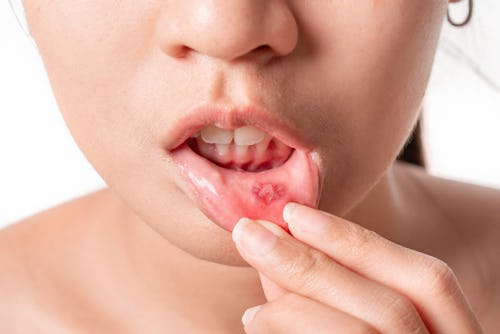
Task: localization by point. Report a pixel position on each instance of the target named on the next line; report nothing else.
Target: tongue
(226, 195)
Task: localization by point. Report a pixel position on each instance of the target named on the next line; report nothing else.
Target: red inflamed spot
(268, 192)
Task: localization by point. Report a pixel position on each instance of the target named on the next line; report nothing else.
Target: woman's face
(346, 77)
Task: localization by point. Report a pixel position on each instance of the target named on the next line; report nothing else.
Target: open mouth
(245, 149)
(245, 171)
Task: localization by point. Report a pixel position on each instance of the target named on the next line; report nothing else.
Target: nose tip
(229, 30)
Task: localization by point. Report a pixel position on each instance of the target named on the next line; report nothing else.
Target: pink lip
(228, 117)
(225, 195)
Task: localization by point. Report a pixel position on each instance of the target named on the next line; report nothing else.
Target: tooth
(204, 148)
(248, 135)
(222, 149)
(214, 135)
(241, 150)
(260, 148)
(195, 135)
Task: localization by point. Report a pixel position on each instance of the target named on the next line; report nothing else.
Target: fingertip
(289, 210)
(249, 315)
(302, 218)
(238, 228)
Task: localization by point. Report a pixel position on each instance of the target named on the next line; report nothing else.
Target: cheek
(382, 70)
(94, 58)
(378, 62)
(367, 70)
(394, 60)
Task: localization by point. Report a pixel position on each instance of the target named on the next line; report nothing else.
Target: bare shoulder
(460, 201)
(30, 251)
(49, 228)
(474, 211)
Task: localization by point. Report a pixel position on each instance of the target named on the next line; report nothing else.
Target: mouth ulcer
(246, 172)
(243, 149)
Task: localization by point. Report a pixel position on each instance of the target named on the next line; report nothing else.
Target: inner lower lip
(225, 195)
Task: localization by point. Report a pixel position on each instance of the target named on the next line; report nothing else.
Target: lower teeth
(252, 161)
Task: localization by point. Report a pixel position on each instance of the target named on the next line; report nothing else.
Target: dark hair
(413, 151)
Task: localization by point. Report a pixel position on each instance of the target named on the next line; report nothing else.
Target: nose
(228, 29)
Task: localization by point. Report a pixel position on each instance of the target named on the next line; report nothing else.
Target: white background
(41, 166)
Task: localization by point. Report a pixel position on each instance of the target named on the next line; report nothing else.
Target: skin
(140, 255)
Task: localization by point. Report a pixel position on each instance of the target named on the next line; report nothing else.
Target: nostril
(177, 51)
(262, 53)
(262, 48)
(228, 30)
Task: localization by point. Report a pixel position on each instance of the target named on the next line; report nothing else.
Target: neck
(400, 209)
(383, 209)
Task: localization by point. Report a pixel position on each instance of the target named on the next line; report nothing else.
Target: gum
(251, 161)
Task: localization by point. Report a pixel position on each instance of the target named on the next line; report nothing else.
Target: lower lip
(226, 195)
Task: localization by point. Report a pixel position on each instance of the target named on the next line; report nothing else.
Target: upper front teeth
(247, 135)
(214, 135)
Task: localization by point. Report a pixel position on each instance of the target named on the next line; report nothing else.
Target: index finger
(304, 270)
(429, 282)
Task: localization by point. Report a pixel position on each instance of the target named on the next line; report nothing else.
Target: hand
(334, 276)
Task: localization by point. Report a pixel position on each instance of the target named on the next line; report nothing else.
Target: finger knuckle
(440, 279)
(399, 312)
(360, 240)
(305, 270)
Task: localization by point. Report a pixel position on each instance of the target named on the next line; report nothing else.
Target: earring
(467, 19)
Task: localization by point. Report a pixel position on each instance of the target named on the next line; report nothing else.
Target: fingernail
(253, 237)
(249, 315)
(288, 211)
(305, 218)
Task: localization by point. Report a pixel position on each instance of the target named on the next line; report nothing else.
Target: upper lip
(231, 117)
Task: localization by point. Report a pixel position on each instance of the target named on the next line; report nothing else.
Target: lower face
(348, 88)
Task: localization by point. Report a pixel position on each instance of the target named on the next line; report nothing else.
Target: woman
(205, 116)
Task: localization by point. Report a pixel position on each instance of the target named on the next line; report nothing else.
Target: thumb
(272, 290)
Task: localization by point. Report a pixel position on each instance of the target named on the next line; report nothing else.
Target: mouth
(242, 163)
(245, 149)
